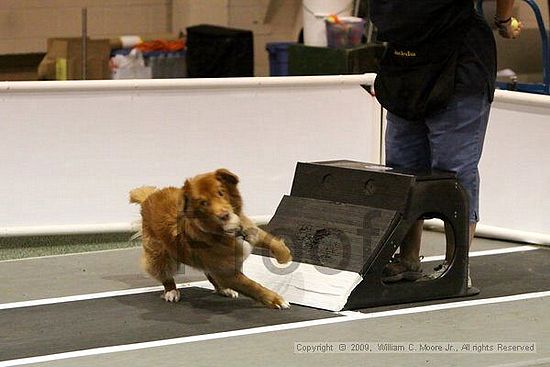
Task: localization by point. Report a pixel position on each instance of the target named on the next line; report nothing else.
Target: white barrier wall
(71, 151)
(515, 167)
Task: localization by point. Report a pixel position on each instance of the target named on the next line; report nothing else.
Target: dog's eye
(220, 193)
(204, 203)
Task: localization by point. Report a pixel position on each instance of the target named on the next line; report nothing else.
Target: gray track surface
(49, 329)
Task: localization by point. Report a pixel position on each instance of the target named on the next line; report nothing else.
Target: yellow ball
(514, 24)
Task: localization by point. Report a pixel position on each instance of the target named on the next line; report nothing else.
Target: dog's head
(213, 202)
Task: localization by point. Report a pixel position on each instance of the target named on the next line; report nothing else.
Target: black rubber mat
(64, 327)
(497, 276)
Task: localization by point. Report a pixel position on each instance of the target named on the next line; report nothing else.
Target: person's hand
(508, 28)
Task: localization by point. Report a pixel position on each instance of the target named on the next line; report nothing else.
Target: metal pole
(84, 47)
(170, 16)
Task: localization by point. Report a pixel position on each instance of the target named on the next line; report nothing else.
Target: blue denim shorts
(451, 140)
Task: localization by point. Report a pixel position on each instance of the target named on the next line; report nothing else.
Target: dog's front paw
(277, 302)
(251, 235)
(228, 292)
(171, 296)
(281, 252)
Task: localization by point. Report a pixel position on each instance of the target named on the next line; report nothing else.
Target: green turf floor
(36, 246)
(22, 247)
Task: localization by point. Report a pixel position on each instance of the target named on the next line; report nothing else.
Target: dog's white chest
(246, 247)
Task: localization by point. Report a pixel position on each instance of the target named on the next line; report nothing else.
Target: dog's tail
(139, 195)
(136, 227)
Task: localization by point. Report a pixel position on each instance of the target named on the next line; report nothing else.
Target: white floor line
(498, 251)
(206, 284)
(86, 297)
(446, 306)
(347, 316)
(428, 258)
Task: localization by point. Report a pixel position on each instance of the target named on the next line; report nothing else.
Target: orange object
(161, 45)
(334, 19)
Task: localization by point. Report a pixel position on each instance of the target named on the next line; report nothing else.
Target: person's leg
(410, 248)
(407, 144)
(449, 250)
(407, 147)
(456, 138)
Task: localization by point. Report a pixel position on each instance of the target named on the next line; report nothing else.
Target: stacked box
(214, 52)
(63, 61)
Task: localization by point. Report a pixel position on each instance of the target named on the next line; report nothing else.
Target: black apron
(417, 73)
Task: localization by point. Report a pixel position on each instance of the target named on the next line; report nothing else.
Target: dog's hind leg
(161, 266)
(226, 292)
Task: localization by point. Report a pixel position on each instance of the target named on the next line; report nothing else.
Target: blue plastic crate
(278, 57)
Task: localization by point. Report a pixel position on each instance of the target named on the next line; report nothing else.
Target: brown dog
(202, 225)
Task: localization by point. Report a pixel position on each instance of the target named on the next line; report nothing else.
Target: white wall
(515, 167)
(71, 151)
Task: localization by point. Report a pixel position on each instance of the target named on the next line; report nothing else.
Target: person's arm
(504, 9)
(508, 26)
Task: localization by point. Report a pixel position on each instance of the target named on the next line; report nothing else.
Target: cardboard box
(64, 55)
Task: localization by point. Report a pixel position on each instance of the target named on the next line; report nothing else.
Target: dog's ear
(230, 180)
(186, 189)
(225, 176)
